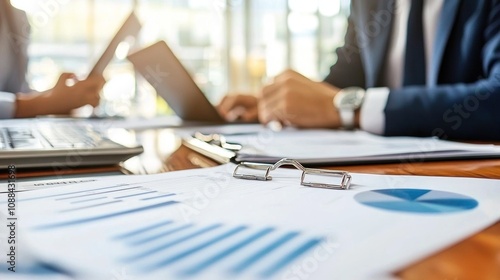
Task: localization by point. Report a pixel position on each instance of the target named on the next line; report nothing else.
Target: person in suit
(16, 99)
(408, 67)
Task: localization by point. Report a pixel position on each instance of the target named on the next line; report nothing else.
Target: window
(227, 45)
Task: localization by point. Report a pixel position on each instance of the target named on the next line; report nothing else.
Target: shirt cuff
(7, 105)
(372, 117)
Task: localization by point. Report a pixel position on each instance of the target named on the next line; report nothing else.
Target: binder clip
(345, 177)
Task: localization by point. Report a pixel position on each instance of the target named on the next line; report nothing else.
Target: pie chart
(416, 201)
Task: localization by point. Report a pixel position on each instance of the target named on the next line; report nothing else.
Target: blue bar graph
(69, 193)
(159, 196)
(273, 269)
(97, 193)
(87, 200)
(160, 235)
(263, 252)
(106, 216)
(135, 194)
(225, 253)
(171, 243)
(142, 230)
(267, 250)
(184, 249)
(90, 206)
(197, 248)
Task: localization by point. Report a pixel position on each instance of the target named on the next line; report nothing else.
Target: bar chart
(158, 246)
(169, 246)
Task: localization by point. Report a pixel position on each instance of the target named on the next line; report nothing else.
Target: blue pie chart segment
(416, 201)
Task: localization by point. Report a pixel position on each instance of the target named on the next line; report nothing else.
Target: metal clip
(345, 182)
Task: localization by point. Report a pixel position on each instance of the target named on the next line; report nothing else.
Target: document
(205, 224)
(326, 146)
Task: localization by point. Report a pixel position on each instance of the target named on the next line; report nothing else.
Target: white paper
(138, 123)
(233, 130)
(135, 123)
(210, 225)
(172, 121)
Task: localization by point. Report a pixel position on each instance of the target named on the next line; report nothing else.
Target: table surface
(477, 257)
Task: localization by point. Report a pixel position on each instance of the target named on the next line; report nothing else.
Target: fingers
(229, 102)
(287, 75)
(94, 82)
(279, 98)
(86, 92)
(271, 109)
(238, 107)
(96, 79)
(93, 98)
(247, 115)
(270, 90)
(288, 99)
(286, 81)
(226, 104)
(90, 89)
(66, 79)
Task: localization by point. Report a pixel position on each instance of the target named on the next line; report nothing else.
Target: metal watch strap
(347, 118)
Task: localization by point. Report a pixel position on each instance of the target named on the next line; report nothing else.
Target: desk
(477, 257)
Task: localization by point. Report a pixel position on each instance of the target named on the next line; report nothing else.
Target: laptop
(161, 68)
(54, 143)
(64, 143)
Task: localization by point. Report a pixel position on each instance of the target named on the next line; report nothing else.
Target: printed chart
(416, 201)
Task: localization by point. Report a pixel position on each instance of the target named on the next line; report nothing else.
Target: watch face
(350, 99)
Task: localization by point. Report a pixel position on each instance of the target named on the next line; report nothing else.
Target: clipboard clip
(213, 146)
(345, 177)
(217, 140)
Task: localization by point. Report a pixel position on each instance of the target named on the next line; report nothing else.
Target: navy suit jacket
(462, 97)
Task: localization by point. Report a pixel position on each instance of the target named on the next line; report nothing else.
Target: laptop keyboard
(45, 136)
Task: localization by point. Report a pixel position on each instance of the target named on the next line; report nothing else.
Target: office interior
(238, 46)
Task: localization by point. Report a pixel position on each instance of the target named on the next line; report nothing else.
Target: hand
(66, 95)
(239, 107)
(296, 100)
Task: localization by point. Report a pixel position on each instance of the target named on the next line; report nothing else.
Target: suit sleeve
(458, 111)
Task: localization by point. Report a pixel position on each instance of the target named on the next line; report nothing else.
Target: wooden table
(477, 257)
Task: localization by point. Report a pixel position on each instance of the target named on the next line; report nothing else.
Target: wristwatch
(347, 101)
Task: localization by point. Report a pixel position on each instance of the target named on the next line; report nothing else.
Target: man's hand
(66, 95)
(242, 107)
(296, 100)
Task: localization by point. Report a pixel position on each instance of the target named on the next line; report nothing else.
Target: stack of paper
(324, 146)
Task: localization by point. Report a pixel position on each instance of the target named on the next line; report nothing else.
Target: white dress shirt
(372, 116)
(7, 105)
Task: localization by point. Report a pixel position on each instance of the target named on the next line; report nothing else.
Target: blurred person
(16, 99)
(407, 67)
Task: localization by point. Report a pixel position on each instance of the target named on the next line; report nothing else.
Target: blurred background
(226, 45)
